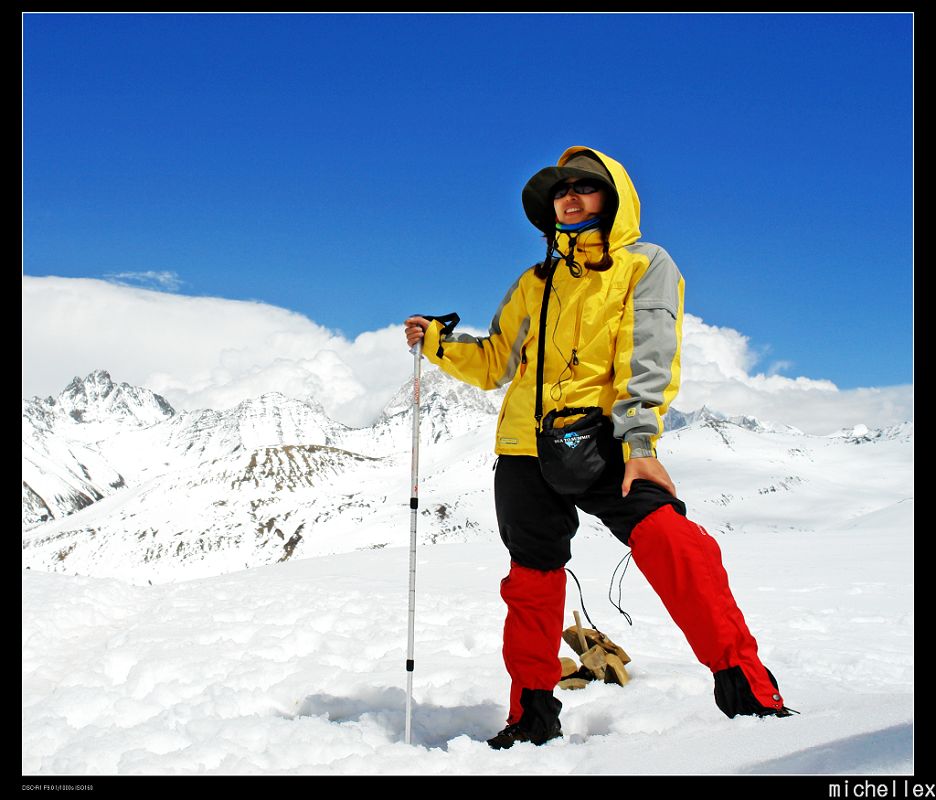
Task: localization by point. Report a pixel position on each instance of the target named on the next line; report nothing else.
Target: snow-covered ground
(298, 668)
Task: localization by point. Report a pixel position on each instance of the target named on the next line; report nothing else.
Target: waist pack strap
(540, 345)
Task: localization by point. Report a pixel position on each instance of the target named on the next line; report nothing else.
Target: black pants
(537, 524)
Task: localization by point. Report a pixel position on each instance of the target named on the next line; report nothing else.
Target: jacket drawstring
(575, 269)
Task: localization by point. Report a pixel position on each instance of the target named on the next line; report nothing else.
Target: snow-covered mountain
(63, 468)
(98, 399)
(210, 490)
(116, 483)
(677, 419)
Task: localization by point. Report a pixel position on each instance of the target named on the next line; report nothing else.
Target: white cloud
(205, 352)
(717, 364)
(157, 279)
(779, 366)
(202, 352)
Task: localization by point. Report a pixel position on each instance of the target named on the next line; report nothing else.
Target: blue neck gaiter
(578, 226)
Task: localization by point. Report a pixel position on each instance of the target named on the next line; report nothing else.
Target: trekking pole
(414, 505)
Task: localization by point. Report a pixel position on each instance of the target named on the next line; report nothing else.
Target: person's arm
(647, 365)
(487, 362)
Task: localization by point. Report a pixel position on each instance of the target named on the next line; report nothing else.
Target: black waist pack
(572, 458)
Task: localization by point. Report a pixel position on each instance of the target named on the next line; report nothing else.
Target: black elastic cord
(617, 605)
(556, 391)
(582, 600)
(575, 269)
(626, 562)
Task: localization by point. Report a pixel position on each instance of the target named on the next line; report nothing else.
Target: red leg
(683, 565)
(532, 631)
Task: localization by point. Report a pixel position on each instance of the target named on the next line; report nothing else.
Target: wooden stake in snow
(578, 630)
(601, 658)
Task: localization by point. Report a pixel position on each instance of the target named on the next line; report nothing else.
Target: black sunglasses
(584, 186)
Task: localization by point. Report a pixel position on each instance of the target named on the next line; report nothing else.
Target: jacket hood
(538, 204)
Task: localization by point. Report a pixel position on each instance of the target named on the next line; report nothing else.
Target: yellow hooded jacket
(613, 336)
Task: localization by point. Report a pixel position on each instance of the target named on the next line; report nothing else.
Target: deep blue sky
(358, 168)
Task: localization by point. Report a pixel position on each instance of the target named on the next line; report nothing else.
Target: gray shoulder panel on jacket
(659, 286)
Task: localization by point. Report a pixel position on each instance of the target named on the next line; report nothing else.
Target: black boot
(733, 696)
(538, 724)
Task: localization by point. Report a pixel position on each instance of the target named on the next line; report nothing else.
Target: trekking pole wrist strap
(449, 321)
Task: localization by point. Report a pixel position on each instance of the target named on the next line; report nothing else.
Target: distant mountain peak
(98, 377)
(435, 386)
(709, 416)
(861, 434)
(96, 398)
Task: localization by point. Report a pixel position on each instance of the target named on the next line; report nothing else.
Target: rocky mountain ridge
(116, 482)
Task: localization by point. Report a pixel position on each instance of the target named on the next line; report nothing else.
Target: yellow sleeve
(487, 362)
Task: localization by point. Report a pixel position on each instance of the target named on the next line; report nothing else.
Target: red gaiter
(532, 631)
(683, 565)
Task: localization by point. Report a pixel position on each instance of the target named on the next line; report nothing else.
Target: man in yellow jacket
(610, 340)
